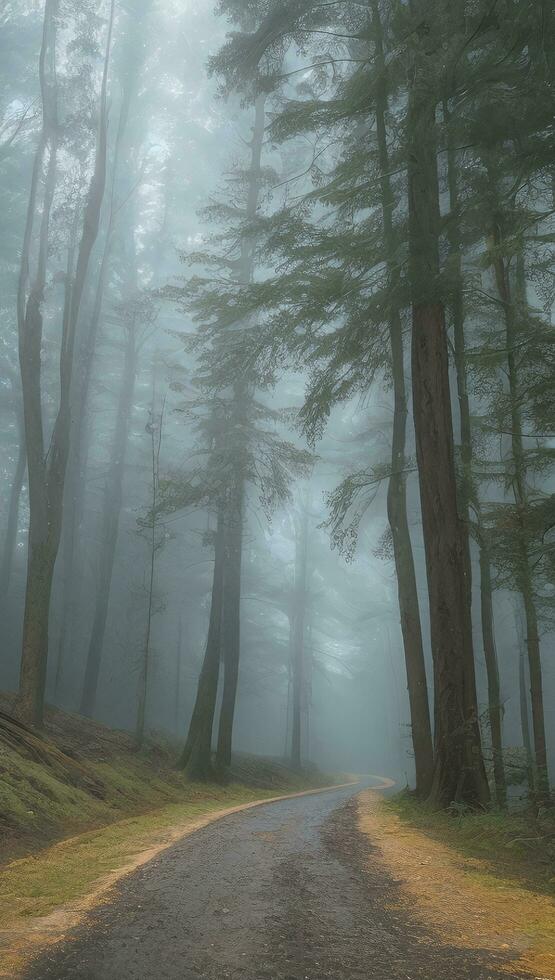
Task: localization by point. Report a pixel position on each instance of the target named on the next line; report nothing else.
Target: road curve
(279, 892)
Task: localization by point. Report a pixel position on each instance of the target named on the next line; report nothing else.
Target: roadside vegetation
(519, 842)
(474, 880)
(81, 776)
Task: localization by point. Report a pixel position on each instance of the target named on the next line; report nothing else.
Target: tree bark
(156, 430)
(459, 772)
(12, 525)
(465, 488)
(411, 627)
(495, 707)
(41, 554)
(178, 666)
(231, 619)
(196, 757)
(298, 630)
(524, 576)
(523, 703)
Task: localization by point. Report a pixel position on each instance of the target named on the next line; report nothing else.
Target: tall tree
(309, 299)
(397, 491)
(239, 467)
(47, 467)
(469, 493)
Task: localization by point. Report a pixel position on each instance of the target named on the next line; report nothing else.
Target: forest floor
(303, 888)
(479, 881)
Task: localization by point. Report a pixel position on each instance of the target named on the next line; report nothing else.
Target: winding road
(279, 892)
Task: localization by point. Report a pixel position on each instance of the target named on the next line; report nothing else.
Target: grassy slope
(66, 836)
(41, 804)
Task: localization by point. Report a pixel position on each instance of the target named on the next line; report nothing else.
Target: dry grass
(465, 900)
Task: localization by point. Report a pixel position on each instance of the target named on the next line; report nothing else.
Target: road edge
(20, 946)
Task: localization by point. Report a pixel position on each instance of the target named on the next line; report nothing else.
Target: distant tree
(298, 630)
(241, 443)
(150, 525)
(134, 316)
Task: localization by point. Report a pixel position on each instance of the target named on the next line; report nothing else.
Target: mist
(216, 517)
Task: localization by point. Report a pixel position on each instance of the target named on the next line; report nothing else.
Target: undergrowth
(520, 843)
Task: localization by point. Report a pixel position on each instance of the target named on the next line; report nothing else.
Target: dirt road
(275, 893)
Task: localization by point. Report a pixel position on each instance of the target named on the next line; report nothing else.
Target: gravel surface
(280, 892)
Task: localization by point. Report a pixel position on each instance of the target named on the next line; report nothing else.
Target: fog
(216, 395)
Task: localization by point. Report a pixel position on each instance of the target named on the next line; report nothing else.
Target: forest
(277, 483)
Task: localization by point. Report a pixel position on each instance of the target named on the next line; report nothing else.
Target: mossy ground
(518, 843)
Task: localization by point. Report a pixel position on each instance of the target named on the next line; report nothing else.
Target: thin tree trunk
(156, 445)
(178, 658)
(234, 517)
(231, 620)
(411, 627)
(523, 688)
(196, 757)
(74, 494)
(41, 554)
(459, 772)
(465, 488)
(75, 483)
(524, 573)
(12, 525)
(495, 708)
(111, 511)
(298, 630)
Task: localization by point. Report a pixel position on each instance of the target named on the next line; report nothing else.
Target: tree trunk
(111, 510)
(47, 471)
(459, 772)
(234, 516)
(74, 496)
(396, 496)
(40, 573)
(523, 703)
(536, 688)
(495, 708)
(41, 553)
(196, 757)
(156, 430)
(231, 620)
(298, 630)
(465, 482)
(524, 576)
(178, 659)
(74, 493)
(12, 525)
